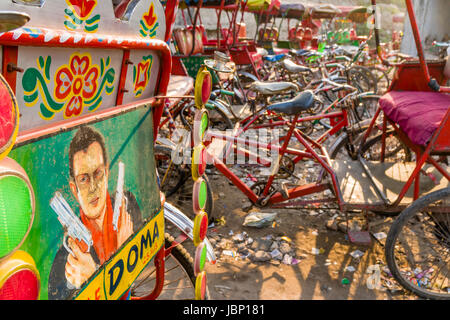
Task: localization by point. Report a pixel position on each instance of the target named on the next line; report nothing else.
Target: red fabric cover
(180, 38)
(418, 113)
(120, 9)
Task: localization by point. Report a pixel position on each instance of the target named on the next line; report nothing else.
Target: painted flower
(76, 83)
(141, 75)
(82, 8)
(150, 17)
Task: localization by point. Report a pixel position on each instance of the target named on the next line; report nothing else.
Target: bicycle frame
(338, 120)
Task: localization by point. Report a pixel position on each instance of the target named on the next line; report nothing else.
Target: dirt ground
(322, 255)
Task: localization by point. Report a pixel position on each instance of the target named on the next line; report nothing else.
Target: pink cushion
(417, 113)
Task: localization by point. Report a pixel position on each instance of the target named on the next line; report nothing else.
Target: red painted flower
(82, 8)
(150, 17)
(76, 83)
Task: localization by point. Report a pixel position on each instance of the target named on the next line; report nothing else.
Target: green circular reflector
(204, 124)
(202, 194)
(200, 258)
(16, 212)
(199, 195)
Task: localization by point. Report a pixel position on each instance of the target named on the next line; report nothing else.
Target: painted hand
(79, 268)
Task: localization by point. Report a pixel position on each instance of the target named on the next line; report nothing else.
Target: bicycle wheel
(171, 175)
(418, 247)
(366, 106)
(362, 77)
(339, 149)
(382, 79)
(218, 119)
(179, 277)
(395, 149)
(183, 198)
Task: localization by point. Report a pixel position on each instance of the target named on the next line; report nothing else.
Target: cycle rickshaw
(82, 92)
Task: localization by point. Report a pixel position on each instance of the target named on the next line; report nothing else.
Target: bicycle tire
(377, 139)
(367, 106)
(363, 78)
(164, 153)
(342, 139)
(224, 119)
(184, 261)
(381, 76)
(404, 219)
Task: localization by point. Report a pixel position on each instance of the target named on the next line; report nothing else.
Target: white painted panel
(64, 83)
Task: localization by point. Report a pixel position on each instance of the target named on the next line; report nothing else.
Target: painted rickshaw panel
(50, 72)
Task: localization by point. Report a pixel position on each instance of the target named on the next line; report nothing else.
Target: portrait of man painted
(89, 173)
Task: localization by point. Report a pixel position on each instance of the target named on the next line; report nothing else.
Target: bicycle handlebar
(339, 86)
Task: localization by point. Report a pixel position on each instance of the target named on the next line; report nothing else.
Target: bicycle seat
(272, 87)
(292, 67)
(301, 102)
(274, 57)
(299, 52)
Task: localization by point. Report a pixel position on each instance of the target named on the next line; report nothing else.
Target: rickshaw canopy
(359, 15)
(291, 11)
(326, 11)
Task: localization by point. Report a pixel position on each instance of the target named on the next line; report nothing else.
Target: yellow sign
(117, 275)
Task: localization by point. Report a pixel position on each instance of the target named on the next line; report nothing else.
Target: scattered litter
(357, 254)
(229, 253)
(240, 237)
(317, 251)
(222, 287)
(276, 254)
(315, 233)
(345, 281)
(380, 235)
(261, 256)
(259, 219)
(230, 233)
(221, 221)
(287, 239)
(285, 248)
(350, 269)
(287, 259)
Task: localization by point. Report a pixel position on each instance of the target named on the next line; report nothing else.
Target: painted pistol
(71, 223)
(119, 195)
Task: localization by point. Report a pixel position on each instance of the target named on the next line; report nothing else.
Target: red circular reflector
(198, 162)
(22, 285)
(9, 118)
(206, 88)
(200, 286)
(200, 227)
(202, 87)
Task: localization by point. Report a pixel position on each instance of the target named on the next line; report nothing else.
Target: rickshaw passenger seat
(296, 105)
(418, 113)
